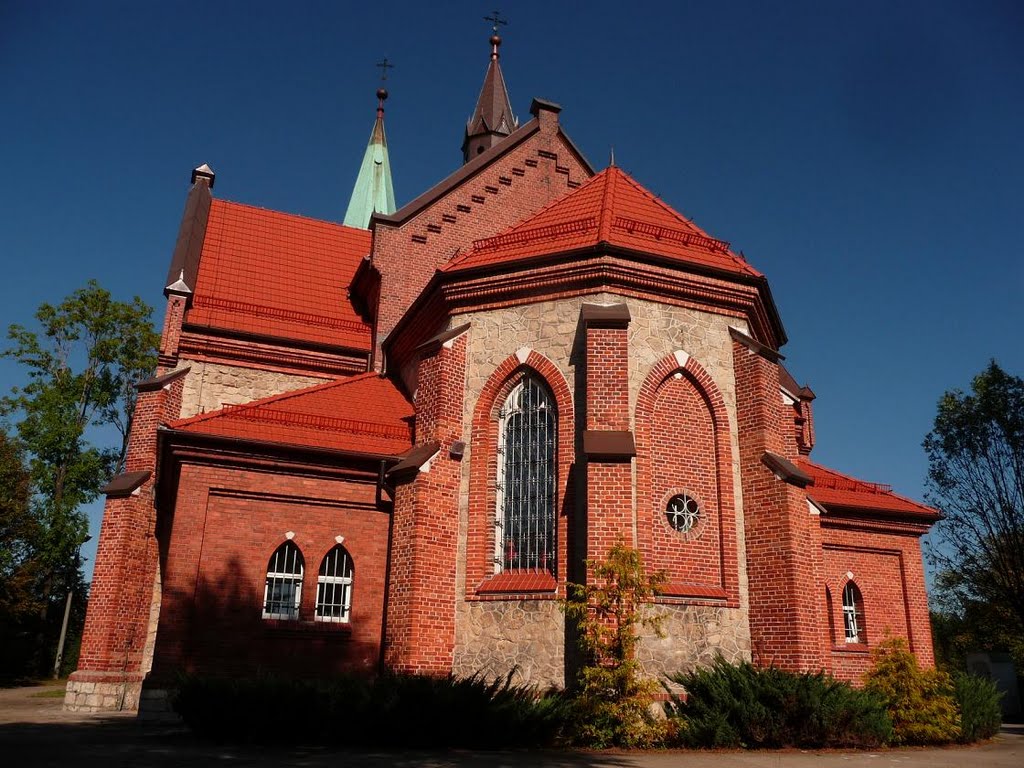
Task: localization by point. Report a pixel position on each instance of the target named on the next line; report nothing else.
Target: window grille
(525, 518)
(853, 616)
(683, 512)
(334, 586)
(283, 592)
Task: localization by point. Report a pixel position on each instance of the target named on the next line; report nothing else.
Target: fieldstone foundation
(102, 692)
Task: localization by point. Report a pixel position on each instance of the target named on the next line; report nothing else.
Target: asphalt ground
(35, 731)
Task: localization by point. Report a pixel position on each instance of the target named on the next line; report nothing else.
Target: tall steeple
(373, 192)
(492, 120)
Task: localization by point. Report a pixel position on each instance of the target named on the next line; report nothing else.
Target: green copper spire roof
(373, 192)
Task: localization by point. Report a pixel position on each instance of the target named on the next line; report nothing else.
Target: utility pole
(67, 613)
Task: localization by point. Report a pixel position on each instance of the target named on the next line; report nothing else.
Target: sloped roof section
(614, 209)
(834, 490)
(363, 414)
(279, 275)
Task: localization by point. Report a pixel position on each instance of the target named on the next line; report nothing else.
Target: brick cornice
(581, 273)
(178, 446)
(875, 522)
(270, 354)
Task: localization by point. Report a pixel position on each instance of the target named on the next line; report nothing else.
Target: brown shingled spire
(492, 119)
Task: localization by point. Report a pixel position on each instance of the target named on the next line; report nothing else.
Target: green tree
(976, 479)
(19, 571)
(612, 700)
(81, 363)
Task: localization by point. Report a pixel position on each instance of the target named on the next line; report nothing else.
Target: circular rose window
(683, 512)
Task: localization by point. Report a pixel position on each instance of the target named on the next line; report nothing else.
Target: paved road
(35, 732)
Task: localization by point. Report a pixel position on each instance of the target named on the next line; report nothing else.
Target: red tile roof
(277, 274)
(611, 208)
(834, 489)
(360, 414)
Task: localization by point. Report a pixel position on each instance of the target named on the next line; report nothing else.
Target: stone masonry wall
(210, 386)
(525, 635)
(551, 328)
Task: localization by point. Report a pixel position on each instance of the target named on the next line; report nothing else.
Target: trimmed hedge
(980, 713)
(739, 705)
(391, 710)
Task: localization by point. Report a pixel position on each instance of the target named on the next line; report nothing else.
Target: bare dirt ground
(36, 732)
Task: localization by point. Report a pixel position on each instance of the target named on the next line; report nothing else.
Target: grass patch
(50, 693)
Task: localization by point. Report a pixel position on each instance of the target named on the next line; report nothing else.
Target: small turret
(492, 119)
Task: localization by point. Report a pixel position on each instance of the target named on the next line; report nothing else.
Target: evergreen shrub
(921, 703)
(739, 705)
(980, 713)
(388, 711)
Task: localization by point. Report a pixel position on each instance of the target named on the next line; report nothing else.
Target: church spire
(492, 119)
(373, 192)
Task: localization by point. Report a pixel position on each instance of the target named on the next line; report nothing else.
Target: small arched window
(334, 586)
(830, 612)
(525, 515)
(283, 592)
(853, 614)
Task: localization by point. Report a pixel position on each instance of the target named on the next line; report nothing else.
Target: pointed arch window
(525, 515)
(283, 591)
(853, 614)
(334, 586)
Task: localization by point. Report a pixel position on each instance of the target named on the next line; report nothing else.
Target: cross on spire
(496, 21)
(384, 65)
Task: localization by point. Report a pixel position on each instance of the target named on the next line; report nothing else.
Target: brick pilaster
(111, 664)
(420, 624)
(783, 543)
(607, 441)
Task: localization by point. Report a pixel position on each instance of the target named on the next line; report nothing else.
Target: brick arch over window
(684, 447)
(484, 470)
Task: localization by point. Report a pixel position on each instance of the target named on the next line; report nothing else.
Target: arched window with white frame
(334, 586)
(282, 594)
(525, 515)
(853, 614)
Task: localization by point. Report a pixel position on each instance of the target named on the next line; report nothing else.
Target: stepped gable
(363, 414)
(610, 210)
(278, 275)
(836, 491)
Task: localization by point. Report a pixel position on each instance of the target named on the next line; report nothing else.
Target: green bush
(391, 710)
(978, 700)
(739, 705)
(920, 702)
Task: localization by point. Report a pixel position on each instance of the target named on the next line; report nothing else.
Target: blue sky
(866, 156)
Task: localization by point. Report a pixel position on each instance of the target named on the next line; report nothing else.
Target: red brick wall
(537, 172)
(483, 469)
(782, 553)
(888, 570)
(421, 601)
(683, 446)
(226, 524)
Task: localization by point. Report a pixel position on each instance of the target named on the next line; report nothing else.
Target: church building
(390, 443)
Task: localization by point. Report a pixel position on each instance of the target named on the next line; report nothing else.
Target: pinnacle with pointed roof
(373, 192)
(492, 119)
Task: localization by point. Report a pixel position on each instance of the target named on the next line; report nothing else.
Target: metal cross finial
(496, 21)
(384, 67)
